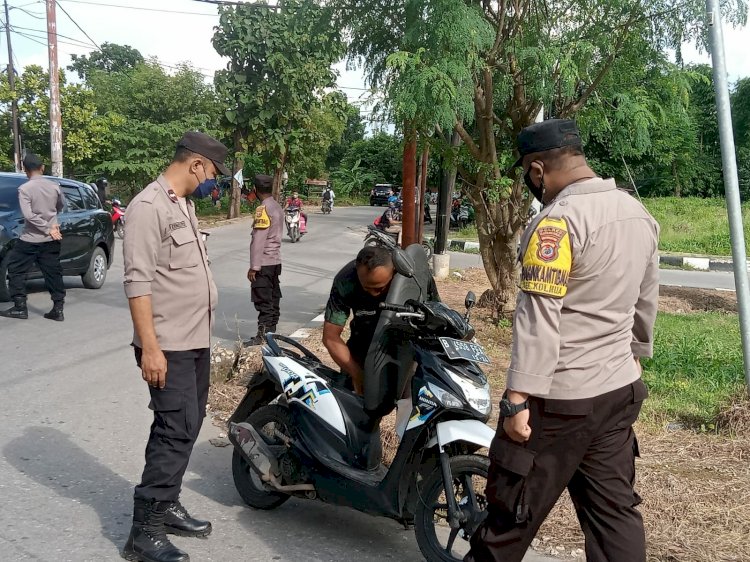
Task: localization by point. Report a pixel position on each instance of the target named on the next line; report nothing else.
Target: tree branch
(470, 144)
(573, 107)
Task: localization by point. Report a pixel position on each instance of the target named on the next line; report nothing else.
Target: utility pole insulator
(55, 117)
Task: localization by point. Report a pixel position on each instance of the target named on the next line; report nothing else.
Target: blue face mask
(205, 187)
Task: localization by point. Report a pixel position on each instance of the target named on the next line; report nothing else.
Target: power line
(28, 13)
(78, 26)
(44, 32)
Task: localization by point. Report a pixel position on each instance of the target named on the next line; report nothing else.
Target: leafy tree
(354, 130)
(279, 68)
(552, 55)
(86, 133)
(380, 155)
(110, 58)
(352, 181)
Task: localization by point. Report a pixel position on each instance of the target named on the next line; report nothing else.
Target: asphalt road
(74, 421)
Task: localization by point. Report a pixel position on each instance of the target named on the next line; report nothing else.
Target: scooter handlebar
(396, 307)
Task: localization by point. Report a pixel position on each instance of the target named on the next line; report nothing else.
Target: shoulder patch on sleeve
(262, 220)
(546, 265)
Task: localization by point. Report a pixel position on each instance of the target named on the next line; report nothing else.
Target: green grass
(696, 369)
(467, 233)
(694, 226)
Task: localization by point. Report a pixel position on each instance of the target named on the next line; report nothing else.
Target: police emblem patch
(548, 242)
(172, 196)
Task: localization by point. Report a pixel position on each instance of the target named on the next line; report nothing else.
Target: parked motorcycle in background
(293, 218)
(118, 218)
(378, 237)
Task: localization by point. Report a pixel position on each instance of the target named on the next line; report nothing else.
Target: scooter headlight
(446, 398)
(478, 396)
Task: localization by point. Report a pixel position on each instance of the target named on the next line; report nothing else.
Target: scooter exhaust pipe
(254, 450)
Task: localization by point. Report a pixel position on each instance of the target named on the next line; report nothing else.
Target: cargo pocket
(639, 393)
(184, 251)
(170, 416)
(510, 465)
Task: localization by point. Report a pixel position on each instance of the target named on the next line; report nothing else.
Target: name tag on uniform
(177, 225)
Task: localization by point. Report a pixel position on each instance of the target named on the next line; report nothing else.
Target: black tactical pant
(179, 409)
(46, 255)
(266, 294)
(587, 446)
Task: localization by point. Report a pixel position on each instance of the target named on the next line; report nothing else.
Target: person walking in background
(583, 319)
(265, 259)
(40, 200)
(172, 296)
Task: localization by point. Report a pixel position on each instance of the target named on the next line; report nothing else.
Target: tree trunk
(407, 194)
(676, 179)
(278, 175)
(235, 198)
(422, 191)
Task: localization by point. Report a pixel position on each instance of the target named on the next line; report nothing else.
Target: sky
(181, 30)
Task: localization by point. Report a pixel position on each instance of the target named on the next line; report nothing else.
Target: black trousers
(587, 446)
(46, 255)
(266, 295)
(179, 409)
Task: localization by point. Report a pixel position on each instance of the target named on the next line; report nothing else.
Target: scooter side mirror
(403, 263)
(471, 300)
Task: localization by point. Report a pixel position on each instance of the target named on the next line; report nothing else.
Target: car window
(73, 198)
(9, 193)
(90, 198)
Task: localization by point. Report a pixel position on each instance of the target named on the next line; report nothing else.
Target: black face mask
(537, 192)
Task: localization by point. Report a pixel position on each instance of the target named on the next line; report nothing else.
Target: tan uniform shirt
(589, 294)
(40, 200)
(268, 228)
(165, 257)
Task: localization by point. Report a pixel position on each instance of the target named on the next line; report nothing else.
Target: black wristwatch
(508, 409)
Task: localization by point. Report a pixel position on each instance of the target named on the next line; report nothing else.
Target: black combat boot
(18, 310)
(56, 313)
(259, 338)
(148, 540)
(179, 522)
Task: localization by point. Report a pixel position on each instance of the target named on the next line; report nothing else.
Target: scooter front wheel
(267, 420)
(435, 538)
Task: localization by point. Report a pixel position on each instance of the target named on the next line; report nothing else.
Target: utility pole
(55, 118)
(14, 99)
(731, 183)
(441, 257)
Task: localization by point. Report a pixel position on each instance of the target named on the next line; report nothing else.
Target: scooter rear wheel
(265, 420)
(436, 540)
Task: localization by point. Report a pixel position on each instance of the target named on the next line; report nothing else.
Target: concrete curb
(699, 263)
(303, 333)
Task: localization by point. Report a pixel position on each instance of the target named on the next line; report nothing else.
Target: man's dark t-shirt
(348, 297)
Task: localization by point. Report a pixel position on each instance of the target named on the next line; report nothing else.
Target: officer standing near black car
(40, 200)
(583, 319)
(172, 296)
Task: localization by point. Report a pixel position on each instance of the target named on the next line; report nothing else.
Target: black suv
(380, 193)
(88, 239)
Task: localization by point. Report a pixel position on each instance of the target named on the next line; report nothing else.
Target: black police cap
(206, 146)
(263, 181)
(547, 135)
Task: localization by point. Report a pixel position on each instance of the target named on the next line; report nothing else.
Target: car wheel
(4, 292)
(97, 272)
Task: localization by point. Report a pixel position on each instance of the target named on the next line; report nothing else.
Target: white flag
(238, 177)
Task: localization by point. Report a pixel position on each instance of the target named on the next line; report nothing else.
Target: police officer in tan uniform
(584, 318)
(172, 297)
(265, 259)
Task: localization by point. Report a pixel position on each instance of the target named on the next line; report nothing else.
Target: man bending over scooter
(358, 289)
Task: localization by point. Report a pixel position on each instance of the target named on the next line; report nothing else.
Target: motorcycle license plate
(457, 349)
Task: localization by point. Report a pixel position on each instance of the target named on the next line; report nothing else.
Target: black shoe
(148, 540)
(179, 522)
(18, 311)
(56, 313)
